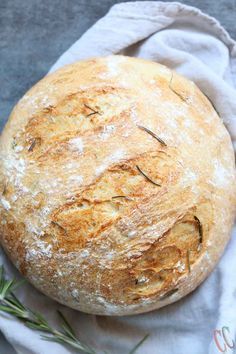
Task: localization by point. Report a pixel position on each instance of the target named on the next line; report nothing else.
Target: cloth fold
(198, 47)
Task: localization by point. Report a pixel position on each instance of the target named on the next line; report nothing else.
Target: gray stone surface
(34, 33)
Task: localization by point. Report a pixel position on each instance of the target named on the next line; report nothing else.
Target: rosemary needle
(139, 344)
(34, 142)
(32, 145)
(121, 197)
(200, 229)
(168, 294)
(93, 111)
(152, 134)
(173, 90)
(188, 261)
(59, 226)
(148, 178)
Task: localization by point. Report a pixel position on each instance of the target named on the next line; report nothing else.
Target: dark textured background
(33, 33)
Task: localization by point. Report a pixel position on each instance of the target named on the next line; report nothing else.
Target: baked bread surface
(117, 184)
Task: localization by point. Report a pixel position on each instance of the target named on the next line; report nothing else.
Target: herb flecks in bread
(113, 176)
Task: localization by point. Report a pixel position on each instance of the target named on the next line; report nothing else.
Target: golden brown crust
(117, 185)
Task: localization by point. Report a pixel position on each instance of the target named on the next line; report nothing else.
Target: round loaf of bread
(117, 184)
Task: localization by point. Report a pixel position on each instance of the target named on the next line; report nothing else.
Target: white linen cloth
(195, 45)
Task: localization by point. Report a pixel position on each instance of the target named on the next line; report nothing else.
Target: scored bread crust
(117, 184)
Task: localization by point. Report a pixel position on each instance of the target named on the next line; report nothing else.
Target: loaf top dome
(117, 183)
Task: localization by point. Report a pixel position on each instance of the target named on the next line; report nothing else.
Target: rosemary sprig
(148, 178)
(152, 134)
(32, 319)
(10, 304)
(91, 109)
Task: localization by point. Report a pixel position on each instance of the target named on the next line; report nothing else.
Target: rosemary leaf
(16, 303)
(7, 309)
(66, 326)
(139, 344)
(1, 278)
(152, 134)
(148, 178)
(32, 145)
(188, 261)
(40, 319)
(52, 339)
(200, 229)
(6, 287)
(169, 293)
(121, 197)
(33, 325)
(55, 223)
(91, 109)
(173, 90)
